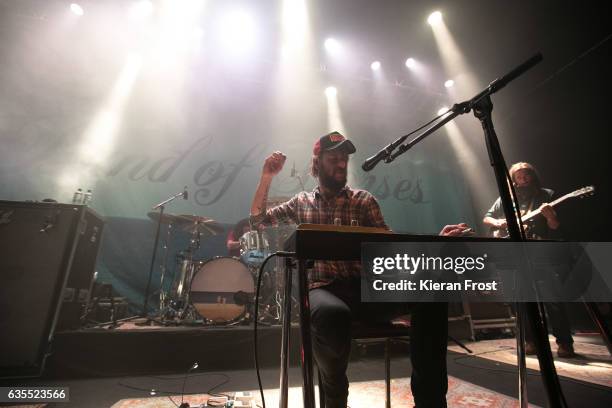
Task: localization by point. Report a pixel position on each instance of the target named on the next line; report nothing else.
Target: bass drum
(220, 289)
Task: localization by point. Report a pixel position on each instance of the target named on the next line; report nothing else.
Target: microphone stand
(161, 207)
(482, 106)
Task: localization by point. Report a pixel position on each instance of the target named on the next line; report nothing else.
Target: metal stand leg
(152, 267)
(601, 324)
(306, 355)
(521, 315)
(284, 385)
(536, 317)
(387, 374)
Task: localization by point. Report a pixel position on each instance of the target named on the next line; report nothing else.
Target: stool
(396, 329)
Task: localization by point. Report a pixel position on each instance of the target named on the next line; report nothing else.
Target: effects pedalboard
(237, 400)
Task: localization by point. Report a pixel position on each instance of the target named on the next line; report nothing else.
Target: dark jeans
(558, 321)
(335, 307)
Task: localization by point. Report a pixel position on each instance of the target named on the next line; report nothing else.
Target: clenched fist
(274, 164)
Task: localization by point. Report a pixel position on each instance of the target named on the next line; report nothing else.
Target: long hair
(525, 166)
(314, 169)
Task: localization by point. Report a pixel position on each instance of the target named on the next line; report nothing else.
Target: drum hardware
(222, 291)
(161, 206)
(255, 246)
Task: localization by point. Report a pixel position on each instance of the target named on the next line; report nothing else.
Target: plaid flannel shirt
(312, 208)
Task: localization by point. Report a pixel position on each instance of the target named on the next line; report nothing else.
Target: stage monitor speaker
(38, 243)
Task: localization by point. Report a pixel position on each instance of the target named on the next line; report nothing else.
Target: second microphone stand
(531, 312)
(161, 207)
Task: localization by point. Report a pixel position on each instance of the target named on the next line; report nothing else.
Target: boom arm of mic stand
(465, 107)
(456, 110)
(168, 200)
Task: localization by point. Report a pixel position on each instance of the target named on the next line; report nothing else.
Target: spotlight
(331, 91)
(442, 110)
(434, 18)
(410, 63)
(198, 33)
(332, 46)
(76, 9)
(238, 32)
(141, 9)
(449, 83)
(375, 66)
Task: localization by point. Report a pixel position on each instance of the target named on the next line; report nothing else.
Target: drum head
(219, 289)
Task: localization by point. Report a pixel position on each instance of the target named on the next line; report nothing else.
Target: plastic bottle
(77, 197)
(87, 197)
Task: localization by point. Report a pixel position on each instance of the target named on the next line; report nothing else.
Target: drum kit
(219, 290)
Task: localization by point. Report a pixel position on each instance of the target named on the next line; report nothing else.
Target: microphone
(193, 367)
(185, 193)
(371, 162)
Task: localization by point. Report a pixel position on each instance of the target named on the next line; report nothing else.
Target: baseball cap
(333, 141)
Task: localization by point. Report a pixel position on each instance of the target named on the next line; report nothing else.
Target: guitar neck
(536, 212)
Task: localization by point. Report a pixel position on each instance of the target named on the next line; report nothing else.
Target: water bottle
(87, 197)
(77, 197)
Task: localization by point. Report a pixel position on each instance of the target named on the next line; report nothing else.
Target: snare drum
(253, 248)
(220, 288)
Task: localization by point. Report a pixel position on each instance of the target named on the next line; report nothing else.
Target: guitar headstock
(583, 192)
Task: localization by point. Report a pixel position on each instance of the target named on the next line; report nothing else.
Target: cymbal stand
(161, 207)
(186, 311)
(164, 305)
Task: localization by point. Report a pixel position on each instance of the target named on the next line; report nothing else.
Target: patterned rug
(593, 363)
(365, 394)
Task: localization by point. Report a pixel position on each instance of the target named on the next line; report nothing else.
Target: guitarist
(532, 196)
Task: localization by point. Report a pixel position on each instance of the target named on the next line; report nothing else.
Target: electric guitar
(587, 191)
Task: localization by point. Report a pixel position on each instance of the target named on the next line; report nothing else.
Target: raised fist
(274, 163)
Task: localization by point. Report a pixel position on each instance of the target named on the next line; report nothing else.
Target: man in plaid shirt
(335, 286)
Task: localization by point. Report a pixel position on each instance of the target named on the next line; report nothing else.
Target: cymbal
(190, 223)
(166, 218)
(203, 225)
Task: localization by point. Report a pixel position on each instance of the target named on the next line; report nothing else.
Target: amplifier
(46, 254)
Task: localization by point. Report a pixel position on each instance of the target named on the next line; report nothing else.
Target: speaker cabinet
(78, 290)
(44, 249)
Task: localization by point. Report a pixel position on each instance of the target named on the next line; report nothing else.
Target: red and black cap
(333, 141)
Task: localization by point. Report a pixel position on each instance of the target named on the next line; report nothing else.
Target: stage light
(295, 23)
(76, 9)
(434, 18)
(410, 63)
(449, 83)
(198, 33)
(442, 110)
(332, 46)
(141, 9)
(331, 91)
(238, 31)
(375, 66)
(334, 114)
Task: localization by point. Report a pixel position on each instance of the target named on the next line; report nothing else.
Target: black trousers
(336, 306)
(558, 321)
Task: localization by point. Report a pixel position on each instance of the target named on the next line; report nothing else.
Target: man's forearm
(490, 222)
(261, 195)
